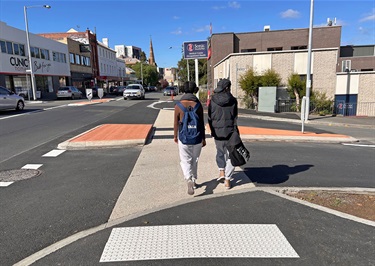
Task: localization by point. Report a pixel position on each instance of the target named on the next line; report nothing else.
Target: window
(63, 58)
(301, 47)
(10, 48)
(3, 47)
(54, 56)
(71, 58)
(248, 50)
(22, 50)
(16, 49)
(32, 51)
(275, 49)
(37, 52)
(44, 54)
(78, 59)
(88, 61)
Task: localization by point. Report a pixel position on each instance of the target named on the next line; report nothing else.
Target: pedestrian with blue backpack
(189, 133)
(222, 119)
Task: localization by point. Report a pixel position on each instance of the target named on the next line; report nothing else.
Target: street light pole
(29, 48)
(308, 74)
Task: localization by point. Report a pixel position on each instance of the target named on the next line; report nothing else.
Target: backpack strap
(183, 108)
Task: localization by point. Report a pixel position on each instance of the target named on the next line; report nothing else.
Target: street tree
(270, 78)
(150, 73)
(249, 83)
(296, 88)
(183, 70)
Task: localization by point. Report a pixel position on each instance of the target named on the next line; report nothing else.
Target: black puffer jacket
(222, 115)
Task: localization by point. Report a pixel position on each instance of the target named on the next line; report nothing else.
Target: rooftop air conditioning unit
(267, 28)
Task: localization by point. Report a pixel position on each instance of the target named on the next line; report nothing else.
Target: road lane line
(359, 145)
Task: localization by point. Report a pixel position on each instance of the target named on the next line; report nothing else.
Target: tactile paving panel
(197, 241)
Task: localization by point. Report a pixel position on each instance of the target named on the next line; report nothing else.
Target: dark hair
(190, 87)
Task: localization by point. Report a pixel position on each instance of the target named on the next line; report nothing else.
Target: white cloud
(176, 17)
(290, 13)
(218, 7)
(177, 32)
(368, 17)
(233, 4)
(202, 29)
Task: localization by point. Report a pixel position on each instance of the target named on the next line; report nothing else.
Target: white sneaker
(190, 185)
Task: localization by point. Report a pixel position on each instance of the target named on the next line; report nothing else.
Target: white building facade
(107, 61)
(50, 62)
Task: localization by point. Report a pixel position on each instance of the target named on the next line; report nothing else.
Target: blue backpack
(189, 131)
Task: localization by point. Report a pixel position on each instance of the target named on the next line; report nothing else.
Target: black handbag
(238, 153)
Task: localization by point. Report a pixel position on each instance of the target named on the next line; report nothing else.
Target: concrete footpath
(158, 193)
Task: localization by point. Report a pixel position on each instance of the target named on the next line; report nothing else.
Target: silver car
(69, 92)
(10, 100)
(134, 91)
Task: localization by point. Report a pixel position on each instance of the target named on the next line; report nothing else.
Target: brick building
(89, 41)
(285, 51)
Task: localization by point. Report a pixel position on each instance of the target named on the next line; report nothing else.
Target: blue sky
(170, 23)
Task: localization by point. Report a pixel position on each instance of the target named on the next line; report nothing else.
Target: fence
(337, 108)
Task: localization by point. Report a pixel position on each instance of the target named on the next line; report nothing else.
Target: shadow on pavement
(274, 175)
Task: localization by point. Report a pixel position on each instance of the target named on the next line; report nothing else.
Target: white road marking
(197, 241)
(359, 145)
(53, 153)
(32, 166)
(5, 184)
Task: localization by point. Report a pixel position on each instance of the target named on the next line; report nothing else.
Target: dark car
(169, 91)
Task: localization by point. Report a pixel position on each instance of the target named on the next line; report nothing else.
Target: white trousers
(222, 158)
(189, 155)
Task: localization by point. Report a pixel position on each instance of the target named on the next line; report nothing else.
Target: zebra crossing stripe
(32, 166)
(53, 153)
(5, 184)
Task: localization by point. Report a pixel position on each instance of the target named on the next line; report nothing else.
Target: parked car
(153, 88)
(169, 91)
(69, 92)
(23, 92)
(120, 90)
(134, 91)
(10, 100)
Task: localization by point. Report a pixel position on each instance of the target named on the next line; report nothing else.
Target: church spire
(151, 59)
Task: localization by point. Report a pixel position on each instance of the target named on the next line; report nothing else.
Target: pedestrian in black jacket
(222, 119)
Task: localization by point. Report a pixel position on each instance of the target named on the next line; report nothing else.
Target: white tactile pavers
(197, 241)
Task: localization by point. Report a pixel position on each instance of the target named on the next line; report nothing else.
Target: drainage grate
(197, 241)
(18, 174)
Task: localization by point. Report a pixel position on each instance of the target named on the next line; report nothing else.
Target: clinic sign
(195, 50)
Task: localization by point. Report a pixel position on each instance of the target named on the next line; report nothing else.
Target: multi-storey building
(285, 51)
(81, 75)
(49, 63)
(89, 43)
(108, 70)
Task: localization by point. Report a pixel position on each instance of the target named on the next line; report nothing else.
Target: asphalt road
(77, 190)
